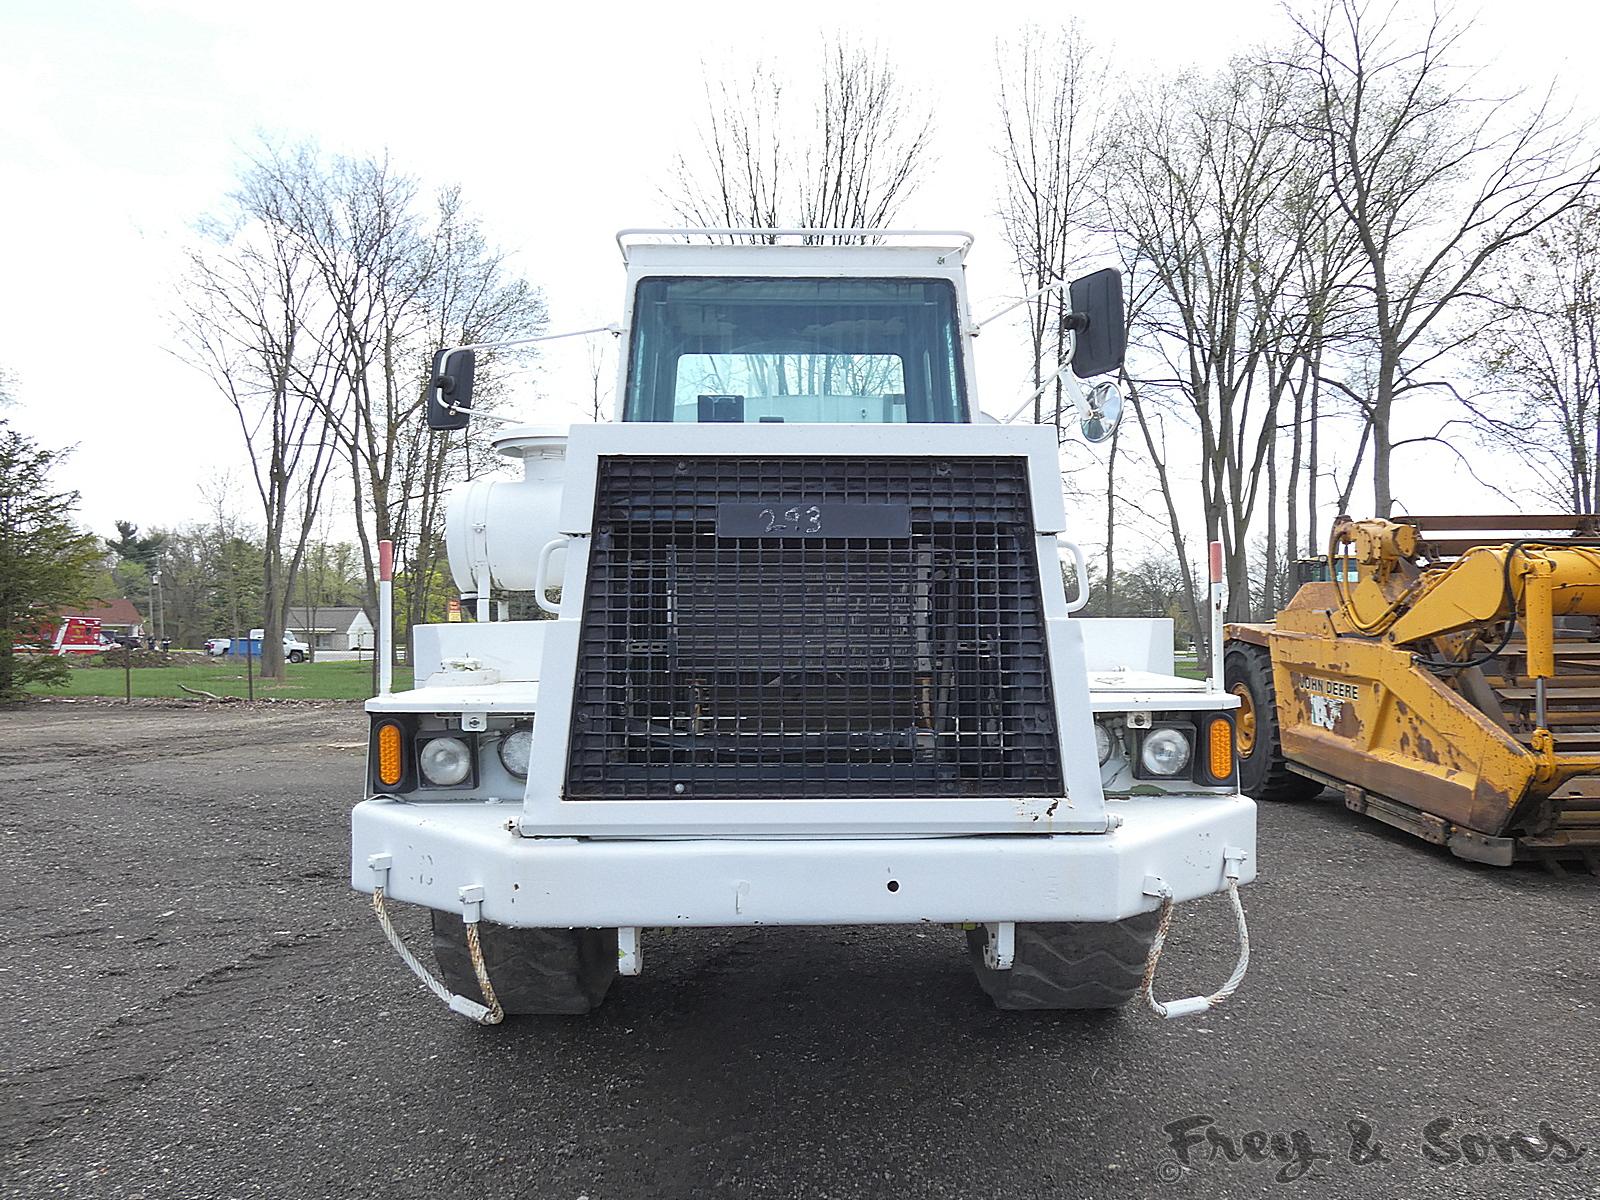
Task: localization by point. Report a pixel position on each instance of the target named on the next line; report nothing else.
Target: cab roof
(751, 247)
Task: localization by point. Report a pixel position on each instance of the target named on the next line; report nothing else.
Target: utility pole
(158, 610)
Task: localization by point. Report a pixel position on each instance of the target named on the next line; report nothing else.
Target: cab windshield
(850, 351)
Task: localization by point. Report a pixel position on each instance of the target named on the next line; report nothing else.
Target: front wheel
(532, 971)
(1068, 964)
(1264, 772)
(297, 656)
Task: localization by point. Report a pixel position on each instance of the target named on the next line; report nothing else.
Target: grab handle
(1065, 547)
(541, 575)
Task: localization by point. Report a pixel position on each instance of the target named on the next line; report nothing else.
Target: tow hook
(471, 913)
(1154, 885)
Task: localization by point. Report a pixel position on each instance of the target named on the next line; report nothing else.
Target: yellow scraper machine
(1444, 674)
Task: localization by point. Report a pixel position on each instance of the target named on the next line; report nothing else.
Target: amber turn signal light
(1219, 747)
(391, 755)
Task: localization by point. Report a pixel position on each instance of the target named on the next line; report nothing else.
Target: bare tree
(472, 295)
(251, 321)
(1539, 358)
(1053, 145)
(740, 177)
(400, 275)
(225, 535)
(871, 144)
(1211, 202)
(1111, 522)
(1153, 431)
(1313, 316)
(1433, 179)
(863, 143)
(599, 363)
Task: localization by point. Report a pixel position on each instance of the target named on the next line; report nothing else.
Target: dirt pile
(144, 658)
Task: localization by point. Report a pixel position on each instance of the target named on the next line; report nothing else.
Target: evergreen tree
(129, 547)
(45, 562)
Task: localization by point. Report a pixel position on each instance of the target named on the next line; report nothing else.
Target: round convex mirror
(1104, 404)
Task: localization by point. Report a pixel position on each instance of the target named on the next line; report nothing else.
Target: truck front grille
(812, 627)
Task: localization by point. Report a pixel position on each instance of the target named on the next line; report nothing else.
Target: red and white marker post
(385, 617)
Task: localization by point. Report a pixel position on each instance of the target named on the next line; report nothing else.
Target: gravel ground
(196, 1005)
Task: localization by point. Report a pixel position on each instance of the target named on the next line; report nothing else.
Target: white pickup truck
(813, 660)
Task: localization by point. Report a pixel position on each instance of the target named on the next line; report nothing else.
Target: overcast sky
(122, 123)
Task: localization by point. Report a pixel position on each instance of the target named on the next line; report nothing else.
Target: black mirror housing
(1100, 323)
(450, 389)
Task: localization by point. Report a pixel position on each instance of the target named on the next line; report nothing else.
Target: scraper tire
(532, 971)
(1264, 772)
(1071, 964)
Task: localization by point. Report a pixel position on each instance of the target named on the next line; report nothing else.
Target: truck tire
(1070, 964)
(533, 971)
(297, 656)
(1264, 772)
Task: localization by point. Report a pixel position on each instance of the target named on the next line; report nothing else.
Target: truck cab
(794, 350)
(814, 661)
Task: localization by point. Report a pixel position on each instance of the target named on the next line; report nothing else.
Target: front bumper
(436, 848)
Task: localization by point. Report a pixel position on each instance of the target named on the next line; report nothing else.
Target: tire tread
(534, 971)
(1252, 665)
(1068, 964)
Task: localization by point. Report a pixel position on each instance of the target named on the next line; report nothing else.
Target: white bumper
(436, 848)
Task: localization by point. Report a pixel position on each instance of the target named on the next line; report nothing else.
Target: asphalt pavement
(197, 1006)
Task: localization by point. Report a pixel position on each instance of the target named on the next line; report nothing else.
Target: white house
(342, 627)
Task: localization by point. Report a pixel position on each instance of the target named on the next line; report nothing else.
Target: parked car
(216, 647)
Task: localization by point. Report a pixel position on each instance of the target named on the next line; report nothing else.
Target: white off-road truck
(814, 659)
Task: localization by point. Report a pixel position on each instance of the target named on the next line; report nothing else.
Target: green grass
(305, 681)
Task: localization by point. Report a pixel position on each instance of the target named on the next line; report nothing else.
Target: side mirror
(1102, 412)
(450, 389)
(1097, 319)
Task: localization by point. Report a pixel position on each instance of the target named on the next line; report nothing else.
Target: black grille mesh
(812, 666)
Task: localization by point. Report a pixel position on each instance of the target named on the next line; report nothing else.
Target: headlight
(1165, 752)
(1102, 742)
(515, 748)
(445, 761)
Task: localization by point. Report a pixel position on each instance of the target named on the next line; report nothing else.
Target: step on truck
(810, 657)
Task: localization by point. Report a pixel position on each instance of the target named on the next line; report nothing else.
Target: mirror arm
(479, 415)
(444, 381)
(1053, 286)
(614, 329)
(1060, 372)
(1080, 398)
